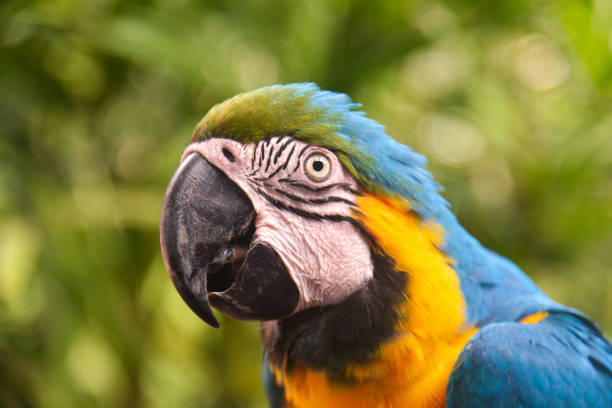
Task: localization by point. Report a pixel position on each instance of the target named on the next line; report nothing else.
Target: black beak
(206, 233)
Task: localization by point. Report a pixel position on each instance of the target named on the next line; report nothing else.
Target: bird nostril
(228, 155)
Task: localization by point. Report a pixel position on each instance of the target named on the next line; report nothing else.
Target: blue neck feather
(494, 288)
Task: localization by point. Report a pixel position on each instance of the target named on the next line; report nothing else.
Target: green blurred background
(510, 100)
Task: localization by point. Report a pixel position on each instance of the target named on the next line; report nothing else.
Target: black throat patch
(330, 337)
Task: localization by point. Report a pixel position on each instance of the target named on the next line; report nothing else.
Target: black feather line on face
(274, 173)
(332, 199)
(270, 154)
(303, 213)
(261, 153)
(291, 196)
(343, 186)
(282, 148)
(331, 337)
(299, 158)
(317, 201)
(288, 157)
(276, 157)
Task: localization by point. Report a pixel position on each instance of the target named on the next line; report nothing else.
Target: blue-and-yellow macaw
(291, 208)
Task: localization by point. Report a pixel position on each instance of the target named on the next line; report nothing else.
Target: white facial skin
(303, 198)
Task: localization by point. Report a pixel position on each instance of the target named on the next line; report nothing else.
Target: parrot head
(262, 220)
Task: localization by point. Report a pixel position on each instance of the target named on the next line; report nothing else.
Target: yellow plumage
(413, 368)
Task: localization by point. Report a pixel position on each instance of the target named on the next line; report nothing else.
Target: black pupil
(317, 165)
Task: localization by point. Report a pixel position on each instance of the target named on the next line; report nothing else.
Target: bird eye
(317, 167)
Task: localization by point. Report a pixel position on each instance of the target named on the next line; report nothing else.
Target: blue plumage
(561, 362)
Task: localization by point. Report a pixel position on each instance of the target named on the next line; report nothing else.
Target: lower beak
(206, 234)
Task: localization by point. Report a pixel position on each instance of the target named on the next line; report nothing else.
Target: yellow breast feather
(412, 369)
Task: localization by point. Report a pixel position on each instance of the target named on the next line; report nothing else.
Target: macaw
(292, 208)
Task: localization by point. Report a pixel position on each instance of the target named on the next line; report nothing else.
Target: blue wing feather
(562, 361)
(274, 392)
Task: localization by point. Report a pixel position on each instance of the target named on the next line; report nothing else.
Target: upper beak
(206, 233)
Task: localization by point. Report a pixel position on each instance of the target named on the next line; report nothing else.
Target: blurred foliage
(511, 101)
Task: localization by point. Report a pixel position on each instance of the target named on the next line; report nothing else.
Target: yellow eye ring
(317, 167)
